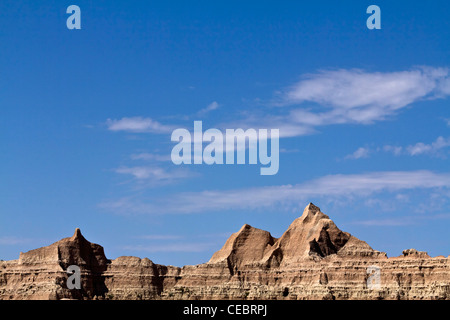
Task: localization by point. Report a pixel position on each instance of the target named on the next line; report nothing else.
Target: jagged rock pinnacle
(311, 208)
(77, 235)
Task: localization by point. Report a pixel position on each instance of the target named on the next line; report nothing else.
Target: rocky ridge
(313, 259)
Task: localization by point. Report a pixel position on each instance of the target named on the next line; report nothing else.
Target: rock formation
(313, 259)
(41, 273)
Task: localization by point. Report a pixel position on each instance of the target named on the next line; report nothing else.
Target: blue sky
(86, 119)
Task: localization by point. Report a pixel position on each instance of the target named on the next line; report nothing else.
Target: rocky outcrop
(311, 236)
(41, 273)
(414, 253)
(246, 247)
(314, 235)
(133, 278)
(313, 259)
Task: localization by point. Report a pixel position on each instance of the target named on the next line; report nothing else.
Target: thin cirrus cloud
(11, 240)
(154, 174)
(138, 125)
(152, 157)
(211, 107)
(419, 148)
(146, 156)
(148, 125)
(352, 96)
(338, 185)
(333, 96)
(447, 121)
(359, 153)
(172, 247)
(160, 237)
(422, 148)
(393, 222)
(402, 221)
(353, 89)
(177, 243)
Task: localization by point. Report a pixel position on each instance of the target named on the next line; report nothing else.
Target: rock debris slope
(313, 259)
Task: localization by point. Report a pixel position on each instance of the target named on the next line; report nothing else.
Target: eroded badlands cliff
(313, 259)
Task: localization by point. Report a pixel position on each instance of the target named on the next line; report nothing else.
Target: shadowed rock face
(75, 250)
(43, 270)
(247, 246)
(313, 235)
(313, 259)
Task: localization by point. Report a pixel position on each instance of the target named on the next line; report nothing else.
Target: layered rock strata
(313, 259)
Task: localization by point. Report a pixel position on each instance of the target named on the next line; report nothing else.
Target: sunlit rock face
(313, 259)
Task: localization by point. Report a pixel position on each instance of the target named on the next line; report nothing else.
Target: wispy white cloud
(174, 237)
(287, 127)
(177, 243)
(150, 157)
(154, 174)
(263, 197)
(351, 96)
(396, 150)
(422, 148)
(393, 222)
(359, 153)
(333, 96)
(401, 221)
(12, 240)
(160, 237)
(171, 237)
(212, 106)
(138, 124)
(447, 121)
(171, 247)
(352, 89)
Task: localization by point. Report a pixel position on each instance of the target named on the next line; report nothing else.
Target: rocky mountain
(313, 259)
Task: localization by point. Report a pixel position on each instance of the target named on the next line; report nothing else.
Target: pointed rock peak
(247, 231)
(246, 246)
(245, 227)
(77, 235)
(311, 208)
(312, 212)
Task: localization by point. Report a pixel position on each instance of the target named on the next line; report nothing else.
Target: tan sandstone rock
(313, 259)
